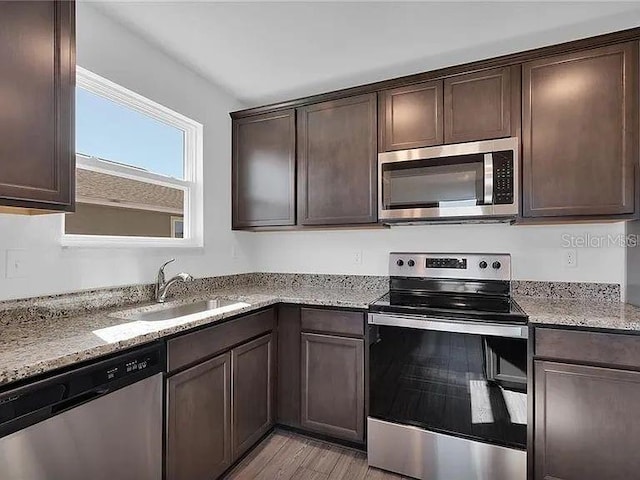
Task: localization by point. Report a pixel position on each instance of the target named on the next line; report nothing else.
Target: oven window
(465, 385)
(451, 182)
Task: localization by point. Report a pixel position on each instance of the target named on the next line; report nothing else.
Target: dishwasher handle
(79, 400)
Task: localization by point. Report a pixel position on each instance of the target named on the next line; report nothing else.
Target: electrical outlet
(357, 257)
(570, 258)
(17, 264)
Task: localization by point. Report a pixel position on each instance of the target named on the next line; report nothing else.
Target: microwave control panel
(503, 177)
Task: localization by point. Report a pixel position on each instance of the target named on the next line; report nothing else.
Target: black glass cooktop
(473, 300)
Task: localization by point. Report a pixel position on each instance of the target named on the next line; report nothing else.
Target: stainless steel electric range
(448, 370)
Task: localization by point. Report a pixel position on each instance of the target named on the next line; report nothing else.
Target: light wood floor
(288, 456)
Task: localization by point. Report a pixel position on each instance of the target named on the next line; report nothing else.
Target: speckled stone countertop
(42, 334)
(581, 313)
(37, 345)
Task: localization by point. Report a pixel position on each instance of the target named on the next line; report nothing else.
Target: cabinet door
(411, 117)
(198, 421)
(37, 53)
(333, 386)
(288, 365)
(580, 133)
(337, 162)
(477, 106)
(253, 373)
(586, 424)
(264, 170)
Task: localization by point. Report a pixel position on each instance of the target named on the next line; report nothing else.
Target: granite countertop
(43, 334)
(581, 313)
(32, 347)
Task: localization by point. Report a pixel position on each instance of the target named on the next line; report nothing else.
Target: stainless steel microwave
(467, 181)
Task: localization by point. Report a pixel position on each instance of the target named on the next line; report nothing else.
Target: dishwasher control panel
(132, 365)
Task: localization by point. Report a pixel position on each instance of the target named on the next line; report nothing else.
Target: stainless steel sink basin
(183, 310)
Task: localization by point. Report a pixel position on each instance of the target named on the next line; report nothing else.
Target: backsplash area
(604, 292)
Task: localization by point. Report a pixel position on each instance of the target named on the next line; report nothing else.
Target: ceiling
(263, 52)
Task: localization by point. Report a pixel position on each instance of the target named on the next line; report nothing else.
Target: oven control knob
(411, 263)
(496, 265)
(483, 264)
(400, 262)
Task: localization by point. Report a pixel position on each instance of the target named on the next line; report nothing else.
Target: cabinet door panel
(477, 106)
(411, 117)
(253, 392)
(37, 51)
(586, 424)
(337, 162)
(264, 170)
(333, 386)
(580, 133)
(199, 422)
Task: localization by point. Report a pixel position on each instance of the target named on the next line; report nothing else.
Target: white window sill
(91, 241)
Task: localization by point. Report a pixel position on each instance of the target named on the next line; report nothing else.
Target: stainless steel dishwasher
(101, 421)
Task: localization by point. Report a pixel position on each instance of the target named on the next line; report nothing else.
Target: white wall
(107, 49)
(537, 251)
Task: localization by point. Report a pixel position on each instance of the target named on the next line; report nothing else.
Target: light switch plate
(17, 262)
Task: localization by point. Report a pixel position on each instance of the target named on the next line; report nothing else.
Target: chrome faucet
(163, 285)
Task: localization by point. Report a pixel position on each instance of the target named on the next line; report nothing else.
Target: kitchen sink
(160, 312)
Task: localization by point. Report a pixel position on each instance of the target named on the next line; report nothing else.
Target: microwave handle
(488, 178)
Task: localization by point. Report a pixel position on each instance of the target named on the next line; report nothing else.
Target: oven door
(464, 379)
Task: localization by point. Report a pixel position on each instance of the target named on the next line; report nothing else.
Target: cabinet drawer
(332, 321)
(591, 347)
(192, 347)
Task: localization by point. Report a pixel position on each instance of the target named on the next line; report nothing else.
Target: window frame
(192, 183)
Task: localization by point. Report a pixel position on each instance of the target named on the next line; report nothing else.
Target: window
(138, 170)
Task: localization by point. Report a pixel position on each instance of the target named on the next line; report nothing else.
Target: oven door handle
(454, 326)
(488, 179)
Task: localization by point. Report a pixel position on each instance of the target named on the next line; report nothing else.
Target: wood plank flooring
(288, 456)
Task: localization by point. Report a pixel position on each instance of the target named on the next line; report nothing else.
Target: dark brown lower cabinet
(198, 421)
(253, 367)
(288, 410)
(221, 407)
(586, 422)
(332, 387)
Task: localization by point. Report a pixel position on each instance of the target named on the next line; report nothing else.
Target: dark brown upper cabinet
(411, 117)
(580, 133)
(478, 106)
(337, 158)
(37, 146)
(264, 169)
